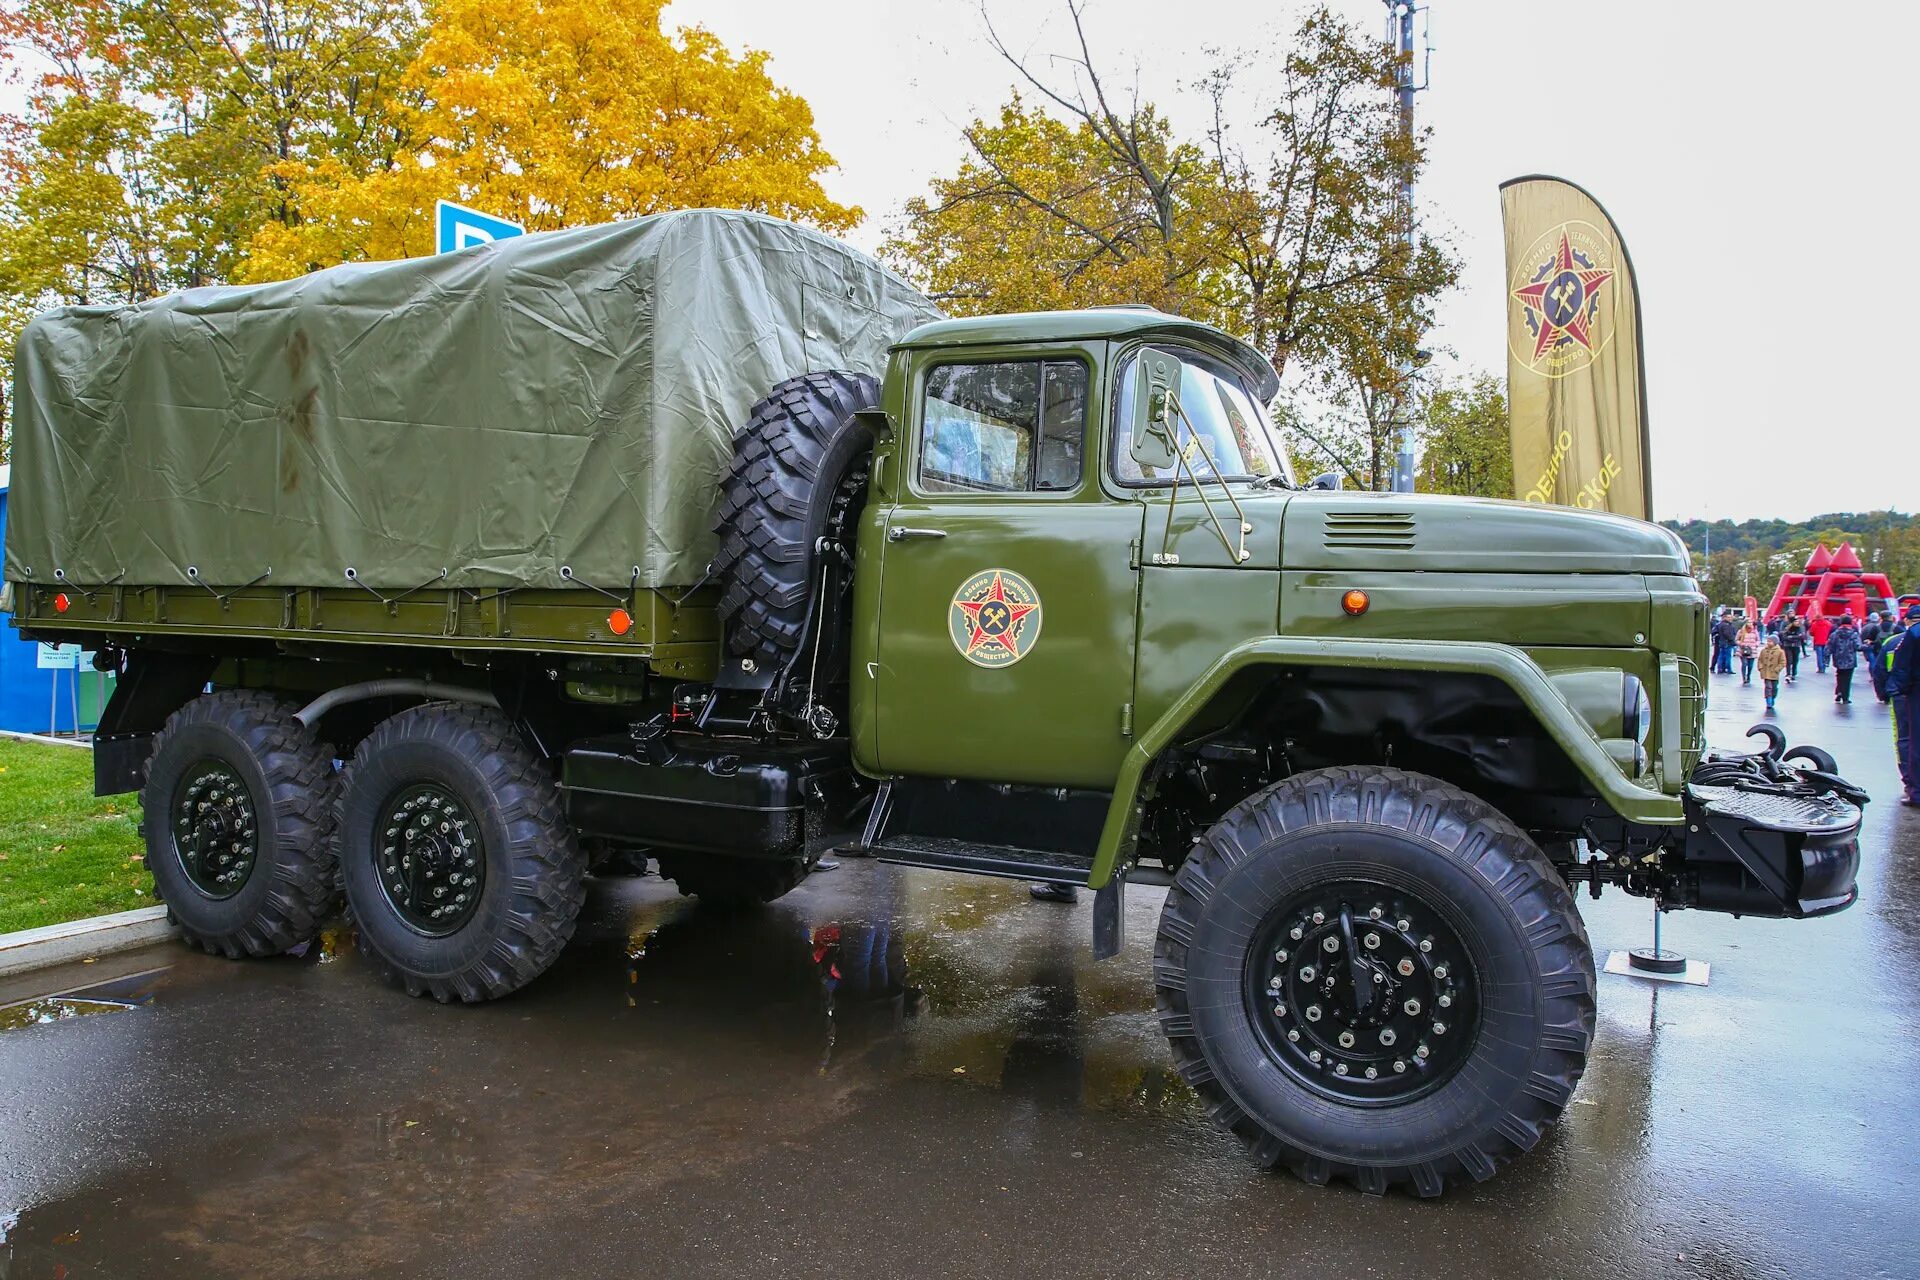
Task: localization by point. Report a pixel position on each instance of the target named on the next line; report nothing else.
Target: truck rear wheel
(462, 874)
(237, 815)
(733, 883)
(1370, 975)
(790, 461)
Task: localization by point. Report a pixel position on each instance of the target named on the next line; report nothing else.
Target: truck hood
(1432, 533)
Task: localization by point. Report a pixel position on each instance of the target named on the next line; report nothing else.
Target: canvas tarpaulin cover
(554, 402)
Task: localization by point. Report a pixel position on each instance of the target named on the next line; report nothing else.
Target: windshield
(1232, 427)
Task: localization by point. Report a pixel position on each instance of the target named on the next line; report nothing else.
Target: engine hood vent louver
(1369, 530)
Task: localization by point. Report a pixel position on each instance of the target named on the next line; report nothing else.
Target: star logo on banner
(1564, 298)
(996, 618)
(1562, 301)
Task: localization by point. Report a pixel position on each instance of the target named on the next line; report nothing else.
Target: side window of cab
(1005, 426)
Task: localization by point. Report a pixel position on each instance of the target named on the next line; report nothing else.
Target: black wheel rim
(1362, 992)
(429, 858)
(215, 830)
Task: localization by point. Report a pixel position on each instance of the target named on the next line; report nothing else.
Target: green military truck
(701, 539)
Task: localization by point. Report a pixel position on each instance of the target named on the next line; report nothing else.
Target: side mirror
(1155, 375)
(1325, 480)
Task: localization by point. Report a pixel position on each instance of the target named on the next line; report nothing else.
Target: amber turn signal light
(61, 604)
(1354, 602)
(619, 622)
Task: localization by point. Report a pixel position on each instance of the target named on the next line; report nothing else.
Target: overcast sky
(1759, 169)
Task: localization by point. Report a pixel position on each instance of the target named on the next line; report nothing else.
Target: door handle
(900, 533)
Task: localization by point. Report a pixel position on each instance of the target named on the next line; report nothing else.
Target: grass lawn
(63, 854)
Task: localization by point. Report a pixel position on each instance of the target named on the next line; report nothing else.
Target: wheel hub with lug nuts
(215, 828)
(428, 855)
(1360, 1024)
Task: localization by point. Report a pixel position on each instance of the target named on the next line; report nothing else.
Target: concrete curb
(17, 736)
(82, 939)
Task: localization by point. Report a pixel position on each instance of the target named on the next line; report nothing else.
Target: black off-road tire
(732, 883)
(1480, 875)
(531, 887)
(288, 778)
(790, 462)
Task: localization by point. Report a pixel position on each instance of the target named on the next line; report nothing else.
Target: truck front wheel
(237, 812)
(1370, 975)
(463, 877)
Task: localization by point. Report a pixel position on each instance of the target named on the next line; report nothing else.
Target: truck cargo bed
(488, 448)
(675, 635)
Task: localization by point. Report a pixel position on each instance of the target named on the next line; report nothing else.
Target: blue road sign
(458, 227)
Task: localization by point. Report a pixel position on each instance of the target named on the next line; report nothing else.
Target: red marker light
(1354, 602)
(61, 604)
(619, 622)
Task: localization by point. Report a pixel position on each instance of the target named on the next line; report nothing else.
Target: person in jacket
(1843, 650)
(1903, 691)
(1721, 636)
(1747, 641)
(1772, 662)
(1793, 639)
(1876, 651)
(1820, 631)
(1889, 645)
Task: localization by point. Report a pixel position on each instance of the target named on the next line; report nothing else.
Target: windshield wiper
(1275, 481)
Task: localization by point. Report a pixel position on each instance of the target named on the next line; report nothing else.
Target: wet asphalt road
(900, 1073)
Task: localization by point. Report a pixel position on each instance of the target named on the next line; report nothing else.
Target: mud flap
(154, 685)
(1110, 918)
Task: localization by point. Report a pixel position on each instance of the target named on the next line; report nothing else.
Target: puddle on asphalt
(960, 982)
(112, 996)
(33, 1013)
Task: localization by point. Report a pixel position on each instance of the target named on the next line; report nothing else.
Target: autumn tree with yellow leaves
(559, 113)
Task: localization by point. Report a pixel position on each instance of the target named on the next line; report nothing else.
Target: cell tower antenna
(1400, 14)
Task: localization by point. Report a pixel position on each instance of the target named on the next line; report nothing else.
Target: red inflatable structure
(1832, 584)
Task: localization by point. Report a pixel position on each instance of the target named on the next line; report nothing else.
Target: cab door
(1009, 588)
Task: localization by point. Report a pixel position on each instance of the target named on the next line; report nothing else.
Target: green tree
(142, 158)
(246, 90)
(1048, 213)
(1751, 555)
(1467, 444)
(1291, 235)
(75, 162)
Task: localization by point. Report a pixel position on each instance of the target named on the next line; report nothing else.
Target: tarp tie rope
(226, 599)
(567, 574)
(60, 576)
(392, 602)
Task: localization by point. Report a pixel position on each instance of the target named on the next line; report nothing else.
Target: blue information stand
(44, 687)
(457, 227)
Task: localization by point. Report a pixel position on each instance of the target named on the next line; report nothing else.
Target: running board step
(944, 854)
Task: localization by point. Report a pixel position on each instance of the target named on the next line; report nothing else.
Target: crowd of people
(1886, 644)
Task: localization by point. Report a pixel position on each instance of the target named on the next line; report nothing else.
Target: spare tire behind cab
(800, 448)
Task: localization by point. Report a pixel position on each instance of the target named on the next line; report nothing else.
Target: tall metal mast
(1400, 36)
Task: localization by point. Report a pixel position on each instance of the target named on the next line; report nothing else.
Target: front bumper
(1766, 839)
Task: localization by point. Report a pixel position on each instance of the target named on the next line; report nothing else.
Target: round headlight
(1636, 710)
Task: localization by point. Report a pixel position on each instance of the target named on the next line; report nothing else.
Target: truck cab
(1048, 573)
